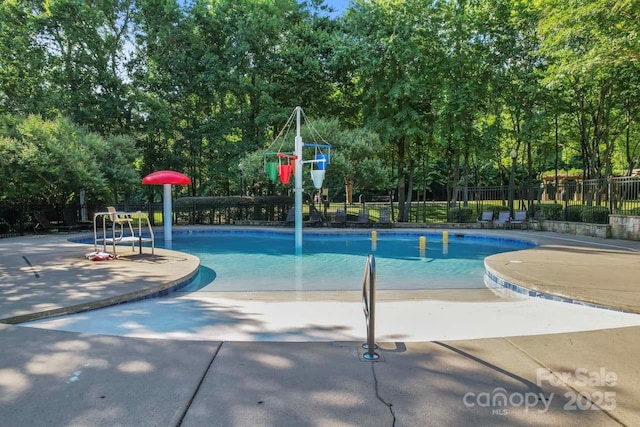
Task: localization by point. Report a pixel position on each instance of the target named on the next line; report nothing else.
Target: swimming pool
(250, 261)
(205, 312)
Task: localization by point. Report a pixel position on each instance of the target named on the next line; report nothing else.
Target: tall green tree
(85, 43)
(48, 162)
(592, 57)
(393, 49)
(22, 61)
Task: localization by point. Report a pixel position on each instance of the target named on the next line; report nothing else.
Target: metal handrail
(369, 306)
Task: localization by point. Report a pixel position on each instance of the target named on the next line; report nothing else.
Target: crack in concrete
(542, 365)
(387, 404)
(195, 392)
(35, 273)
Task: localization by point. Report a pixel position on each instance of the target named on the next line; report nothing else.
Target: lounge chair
(340, 219)
(535, 222)
(519, 218)
(291, 216)
(42, 222)
(385, 218)
(70, 220)
(315, 219)
(503, 219)
(363, 218)
(486, 218)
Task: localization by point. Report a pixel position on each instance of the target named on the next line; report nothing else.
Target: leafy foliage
(419, 95)
(48, 162)
(595, 214)
(461, 214)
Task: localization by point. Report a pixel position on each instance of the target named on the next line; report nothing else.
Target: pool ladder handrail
(369, 306)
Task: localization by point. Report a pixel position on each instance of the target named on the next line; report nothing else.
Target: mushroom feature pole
(166, 179)
(167, 212)
(298, 185)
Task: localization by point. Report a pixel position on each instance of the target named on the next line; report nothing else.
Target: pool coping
(53, 274)
(493, 280)
(143, 294)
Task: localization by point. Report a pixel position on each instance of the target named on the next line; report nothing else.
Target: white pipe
(167, 216)
(298, 185)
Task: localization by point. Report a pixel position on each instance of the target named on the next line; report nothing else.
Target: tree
(593, 59)
(354, 159)
(48, 162)
(22, 61)
(393, 50)
(517, 79)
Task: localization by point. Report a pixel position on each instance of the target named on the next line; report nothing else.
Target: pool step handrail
(369, 306)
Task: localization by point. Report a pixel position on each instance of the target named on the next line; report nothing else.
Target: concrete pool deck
(53, 378)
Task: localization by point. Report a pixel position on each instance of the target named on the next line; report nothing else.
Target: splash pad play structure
(287, 163)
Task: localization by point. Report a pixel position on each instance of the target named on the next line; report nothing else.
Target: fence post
(565, 195)
(612, 206)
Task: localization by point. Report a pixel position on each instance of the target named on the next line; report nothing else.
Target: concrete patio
(52, 378)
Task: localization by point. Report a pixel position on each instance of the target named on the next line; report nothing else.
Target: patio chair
(70, 220)
(385, 218)
(315, 219)
(503, 219)
(291, 216)
(486, 218)
(519, 218)
(535, 222)
(121, 220)
(42, 222)
(363, 218)
(340, 219)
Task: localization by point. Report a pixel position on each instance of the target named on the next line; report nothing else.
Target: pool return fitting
(369, 307)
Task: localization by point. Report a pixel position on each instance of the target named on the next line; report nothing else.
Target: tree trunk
(401, 181)
(409, 190)
(348, 189)
(465, 190)
(529, 175)
(453, 191)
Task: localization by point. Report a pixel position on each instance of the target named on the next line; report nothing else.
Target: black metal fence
(569, 200)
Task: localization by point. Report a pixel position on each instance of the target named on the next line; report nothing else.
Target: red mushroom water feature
(166, 179)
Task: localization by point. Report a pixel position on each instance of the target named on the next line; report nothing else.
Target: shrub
(635, 212)
(461, 214)
(4, 228)
(550, 211)
(595, 214)
(573, 213)
(221, 202)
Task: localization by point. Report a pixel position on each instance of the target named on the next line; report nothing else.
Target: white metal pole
(167, 216)
(298, 185)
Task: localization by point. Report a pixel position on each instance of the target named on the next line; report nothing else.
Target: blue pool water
(265, 261)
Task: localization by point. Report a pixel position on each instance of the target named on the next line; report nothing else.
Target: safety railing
(369, 306)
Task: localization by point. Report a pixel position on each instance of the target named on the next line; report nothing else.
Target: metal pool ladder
(369, 306)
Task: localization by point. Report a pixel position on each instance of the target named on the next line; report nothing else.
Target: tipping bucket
(322, 160)
(272, 170)
(284, 171)
(317, 176)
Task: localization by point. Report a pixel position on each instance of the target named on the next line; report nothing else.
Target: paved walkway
(53, 378)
